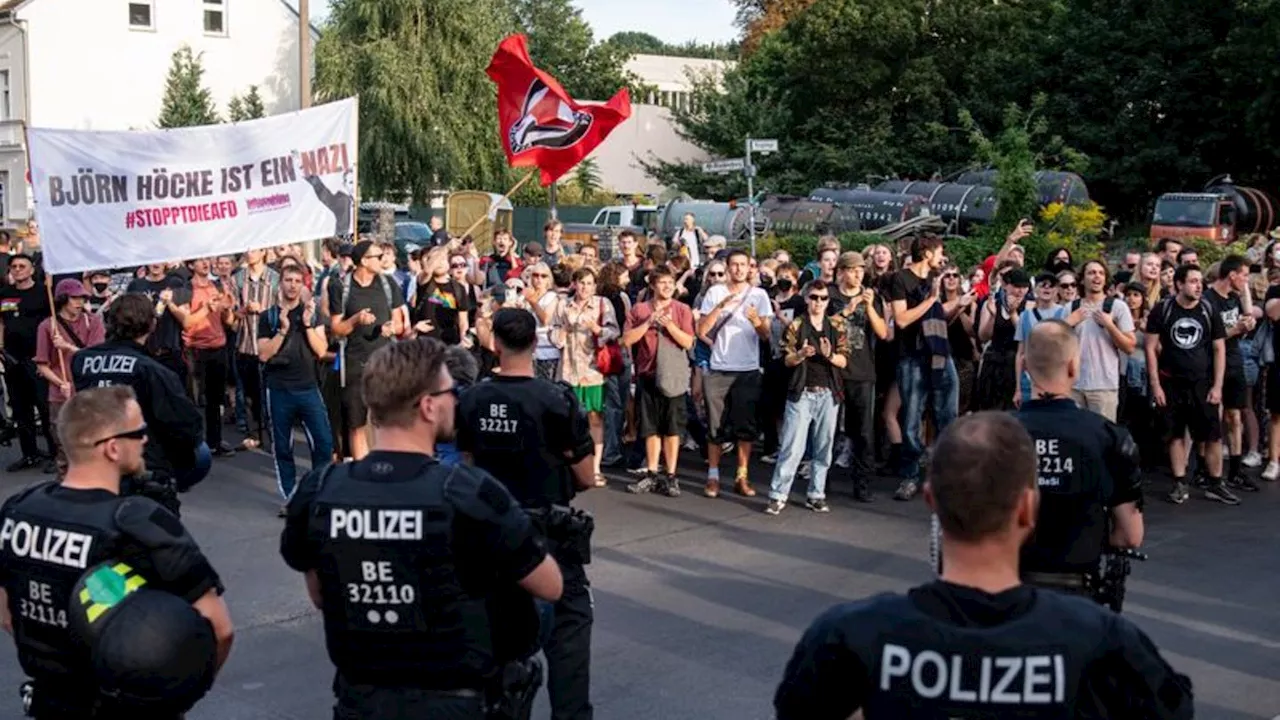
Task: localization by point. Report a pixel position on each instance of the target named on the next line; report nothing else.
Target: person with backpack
(1045, 308)
(1105, 329)
(291, 336)
(366, 312)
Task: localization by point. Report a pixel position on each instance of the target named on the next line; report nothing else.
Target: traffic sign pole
(751, 198)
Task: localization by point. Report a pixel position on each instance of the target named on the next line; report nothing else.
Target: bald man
(1087, 471)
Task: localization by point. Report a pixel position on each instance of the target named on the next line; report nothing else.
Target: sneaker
(670, 486)
(1220, 493)
(712, 488)
(643, 485)
(26, 462)
(1272, 472)
(770, 459)
(1252, 460)
(907, 489)
(1179, 493)
(817, 505)
(1243, 482)
(774, 507)
(862, 493)
(691, 445)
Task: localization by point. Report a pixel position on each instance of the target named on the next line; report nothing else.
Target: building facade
(650, 132)
(101, 65)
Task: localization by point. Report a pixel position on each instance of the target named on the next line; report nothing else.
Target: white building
(101, 65)
(650, 132)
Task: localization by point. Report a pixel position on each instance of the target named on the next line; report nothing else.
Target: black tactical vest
(922, 667)
(396, 613)
(49, 537)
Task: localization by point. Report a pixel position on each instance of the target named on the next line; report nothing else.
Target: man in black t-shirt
(1186, 364)
(863, 313)
(366, 311)
(1229, 297)
(170, 293)
(926, 373)
(977, 642)
(290, 338)
(23, 306)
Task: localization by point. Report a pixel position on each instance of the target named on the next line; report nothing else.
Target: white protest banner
(118, 199)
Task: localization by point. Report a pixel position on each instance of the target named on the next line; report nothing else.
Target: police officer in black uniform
(417, 567)
(52, 533)
(1088, 473)
(529, 433)
(977, 642)
(177, 457)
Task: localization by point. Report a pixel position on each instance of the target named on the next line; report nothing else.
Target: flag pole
(499, 201)
(355, 179)
(48, 279)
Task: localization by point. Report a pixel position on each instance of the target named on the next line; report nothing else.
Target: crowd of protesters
(847, 364)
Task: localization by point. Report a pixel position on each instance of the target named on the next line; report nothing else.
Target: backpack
(346, 292)
(1107, 304)
(1163, 307)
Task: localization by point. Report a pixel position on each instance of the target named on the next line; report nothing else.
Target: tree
(637, 42)
(561, 43)
(186, 102)
(586, 176)
(235, 109)
(758, 18)
(633, 42)
(253, 107)
(428, 117)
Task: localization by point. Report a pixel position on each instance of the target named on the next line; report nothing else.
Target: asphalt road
(699, 602)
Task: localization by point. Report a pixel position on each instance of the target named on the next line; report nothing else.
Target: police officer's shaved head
(399, 377)
(981, 468)
(94, 417)
(515, 330)
(1050, 350)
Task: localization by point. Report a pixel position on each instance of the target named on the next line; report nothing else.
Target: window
(215, 18)
(140, 15)
(5, 105)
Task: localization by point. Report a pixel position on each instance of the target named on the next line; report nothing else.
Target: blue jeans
(188, 478)
(917, 386)
(617, 390)
(810, 420)
(284, 408)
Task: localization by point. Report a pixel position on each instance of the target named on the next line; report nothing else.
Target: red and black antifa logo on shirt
(547, 121)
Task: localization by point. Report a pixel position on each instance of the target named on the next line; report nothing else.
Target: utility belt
(1105, 585)
(513, 690)
(567, 530)
(49, 701)
(159, 488)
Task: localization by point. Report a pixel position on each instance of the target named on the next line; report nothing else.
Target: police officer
(52, 533)
(405, 557)
(529, 433)
(176, 453)
(1088, 471)
(977, 642)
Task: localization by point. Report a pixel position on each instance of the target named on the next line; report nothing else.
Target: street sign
(764, 146)
(724, 166)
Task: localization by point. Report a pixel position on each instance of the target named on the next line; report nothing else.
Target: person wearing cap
(58, 338)
(863, 314)
(997, 327)
(1044, 307)
(23, 305)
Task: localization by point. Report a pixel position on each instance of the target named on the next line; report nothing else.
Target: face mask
(784, 284)
(101, 287)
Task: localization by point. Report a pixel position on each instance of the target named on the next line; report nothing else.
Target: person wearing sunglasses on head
(51, 534)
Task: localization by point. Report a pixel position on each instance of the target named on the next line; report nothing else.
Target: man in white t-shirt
(735, 318)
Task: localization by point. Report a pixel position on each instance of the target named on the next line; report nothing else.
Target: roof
(7, 6)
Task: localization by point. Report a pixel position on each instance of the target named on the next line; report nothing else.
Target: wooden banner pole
(499, 201)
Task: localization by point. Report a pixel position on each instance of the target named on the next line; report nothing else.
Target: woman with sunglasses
(1068, 287)
(441, 309)
(581, 327)
(964, 351)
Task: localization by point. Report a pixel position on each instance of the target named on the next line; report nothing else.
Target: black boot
(862, 492)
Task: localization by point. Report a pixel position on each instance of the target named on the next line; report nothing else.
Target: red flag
(540, 125)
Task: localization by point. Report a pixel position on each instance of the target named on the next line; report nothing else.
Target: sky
(672, 21)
